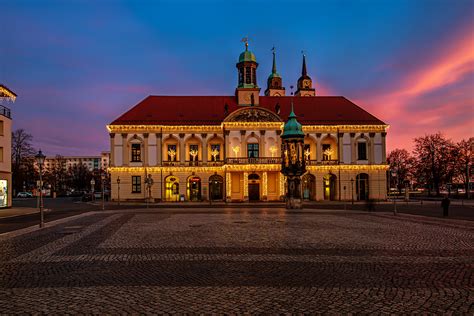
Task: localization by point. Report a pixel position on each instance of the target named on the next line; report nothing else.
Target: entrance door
(254, 192)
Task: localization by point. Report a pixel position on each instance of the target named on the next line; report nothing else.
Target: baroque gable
(252, 114)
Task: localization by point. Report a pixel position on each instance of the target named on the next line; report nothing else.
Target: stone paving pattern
(259, 261)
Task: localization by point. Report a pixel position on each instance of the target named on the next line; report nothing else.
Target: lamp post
(352, 191)
(92, 188)
(40, 160)
(118, 190)
(394, 174)
(102, 179)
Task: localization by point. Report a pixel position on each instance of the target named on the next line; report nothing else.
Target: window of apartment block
(136, 153)
(361, 151)
(216, 148)
(171, 152)
(1, 154)
(136, 184)
(252, 150)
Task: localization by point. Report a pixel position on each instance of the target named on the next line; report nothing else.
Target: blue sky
(77, 65)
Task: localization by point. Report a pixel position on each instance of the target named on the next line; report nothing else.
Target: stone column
(125, 158)
(204, 148)
(243, 151)
(340, 146)
(384, 152)
(145, 149)
(371, 150)
(159, 149)
(265, 186)
(182, 149)
(228, 186)
(246, 186)
(226, 145)
(282, 186)
(319, 148)
(262, 152)
(112, 150)
(353, 149)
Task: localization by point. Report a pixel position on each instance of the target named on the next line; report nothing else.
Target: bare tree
(22, 160)
(57, 174)
(402, 162)
(463, 159)
(434, 164)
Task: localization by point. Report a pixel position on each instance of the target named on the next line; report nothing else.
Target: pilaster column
(159, 149)
(384, 149)
(228, 186)
(340, 146)
(112, 150)
(371, 148)
(204, 148)
(243, 151)
(246, 186)
(262, 152)
(182, 149)
(145, 149)
(265, 186)
(226, 145)
(353, 149)
(282, 186)
(125, 158)
(319, 148)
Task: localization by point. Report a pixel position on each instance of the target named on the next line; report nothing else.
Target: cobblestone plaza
(237, 260)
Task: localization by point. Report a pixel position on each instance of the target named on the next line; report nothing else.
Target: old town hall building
(194, 148)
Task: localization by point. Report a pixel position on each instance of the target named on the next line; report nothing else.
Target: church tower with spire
(274, 82)
(305, 84)
(247, 89)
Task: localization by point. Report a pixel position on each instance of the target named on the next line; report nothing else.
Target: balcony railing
(322, 162)
(189, 163)
(259, 160)
(5, 111)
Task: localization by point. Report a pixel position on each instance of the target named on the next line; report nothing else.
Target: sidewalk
(16, 211)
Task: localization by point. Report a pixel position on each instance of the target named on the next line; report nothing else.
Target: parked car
(24, 195)
(87, 197)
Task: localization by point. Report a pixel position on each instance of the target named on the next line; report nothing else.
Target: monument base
(294, 203)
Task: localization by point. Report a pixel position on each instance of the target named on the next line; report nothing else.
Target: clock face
(306, 83)
(248, 97)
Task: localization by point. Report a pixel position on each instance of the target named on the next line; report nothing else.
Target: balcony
(5, 111)
(259, 160)
(189, 163)
(322, 162)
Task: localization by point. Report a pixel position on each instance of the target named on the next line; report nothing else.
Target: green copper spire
(247, 55)
(274, 68)
(292, 127)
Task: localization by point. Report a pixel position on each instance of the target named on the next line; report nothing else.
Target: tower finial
(246, 41)
(274, 67)
(303, 69)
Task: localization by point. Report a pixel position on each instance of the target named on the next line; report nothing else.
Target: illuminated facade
(6, 96)
(228, 147)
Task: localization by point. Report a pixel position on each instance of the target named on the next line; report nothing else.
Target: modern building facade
(6, 96)
(228, 147)
(90, 162)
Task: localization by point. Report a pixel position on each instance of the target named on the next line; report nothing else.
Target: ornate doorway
(329, 185)
(194, 188)
(216, 187)
(362, 186)
(309, 186)
(254, 187)
(172, 189)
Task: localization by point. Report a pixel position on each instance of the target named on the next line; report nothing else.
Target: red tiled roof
(209, 110)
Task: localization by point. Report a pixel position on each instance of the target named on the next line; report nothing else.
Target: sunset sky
(78, 65)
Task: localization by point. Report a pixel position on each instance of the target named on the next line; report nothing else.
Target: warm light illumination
(6, 94)
(265, 184)
(228, 182)
(215, 153)
(273, 150)
(194, 153)
(172, 154)
(282, 184)
(246, 185)
(307, 153)
(236, 150)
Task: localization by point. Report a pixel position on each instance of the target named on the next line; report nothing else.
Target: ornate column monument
(293, 162)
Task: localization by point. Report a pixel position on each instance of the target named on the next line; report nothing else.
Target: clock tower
(247, 89)
(274, 82)
(305, 84)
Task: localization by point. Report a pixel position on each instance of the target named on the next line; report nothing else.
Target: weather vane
(246, 41)
(302, 52)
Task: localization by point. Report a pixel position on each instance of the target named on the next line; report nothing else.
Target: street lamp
(102, 179)
(40, 161)
(92, 188)
(394, 174)
(118, 190)
(352, 191)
